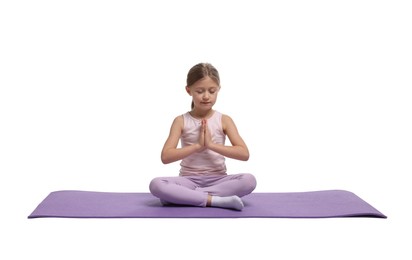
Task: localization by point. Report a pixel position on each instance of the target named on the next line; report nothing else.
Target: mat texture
(313, 204)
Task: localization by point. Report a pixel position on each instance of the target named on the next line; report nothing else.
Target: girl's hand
(202, 134)
(206, 133)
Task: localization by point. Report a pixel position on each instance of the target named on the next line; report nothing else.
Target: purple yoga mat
(314, 204)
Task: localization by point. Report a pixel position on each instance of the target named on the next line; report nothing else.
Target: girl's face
(204, 93)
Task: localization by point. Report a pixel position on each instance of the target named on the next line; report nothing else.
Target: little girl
(203, 180)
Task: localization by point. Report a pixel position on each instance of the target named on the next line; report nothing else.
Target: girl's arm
(238, 150)
(170, 152)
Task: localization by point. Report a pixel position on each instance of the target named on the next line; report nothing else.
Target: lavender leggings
(193, 190)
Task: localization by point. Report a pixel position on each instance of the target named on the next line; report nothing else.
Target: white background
(320, 91)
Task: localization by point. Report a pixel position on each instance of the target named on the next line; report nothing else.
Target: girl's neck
(201, 114)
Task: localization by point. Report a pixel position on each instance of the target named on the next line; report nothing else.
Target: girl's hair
(200, 71)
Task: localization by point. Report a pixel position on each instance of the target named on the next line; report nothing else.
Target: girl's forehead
(206, 82)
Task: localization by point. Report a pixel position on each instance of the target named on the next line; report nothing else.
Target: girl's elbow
(245, 156)
(164, 159)
(167, 158)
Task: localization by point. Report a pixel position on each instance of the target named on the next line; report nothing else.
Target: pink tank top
(205, 162)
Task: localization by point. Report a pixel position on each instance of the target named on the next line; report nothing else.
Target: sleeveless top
(206, 162)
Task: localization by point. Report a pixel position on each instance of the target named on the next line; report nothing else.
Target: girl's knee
(250, 181)
(247, 183)
(154, 185)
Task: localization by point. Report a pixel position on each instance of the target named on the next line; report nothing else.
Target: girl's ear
(188, 90)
